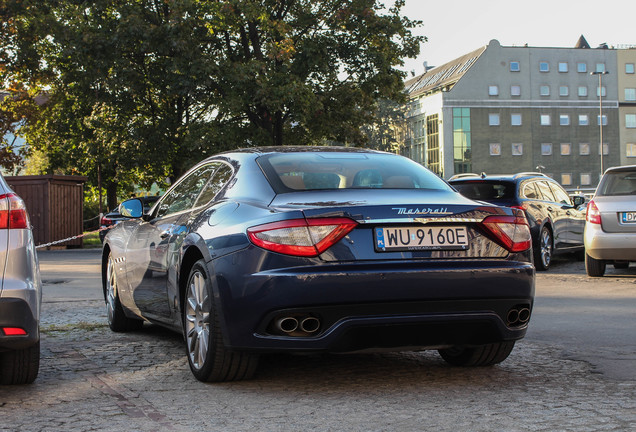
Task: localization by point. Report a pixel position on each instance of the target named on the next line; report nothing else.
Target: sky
(457, 27)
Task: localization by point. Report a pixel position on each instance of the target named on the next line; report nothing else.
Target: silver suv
(20, 292)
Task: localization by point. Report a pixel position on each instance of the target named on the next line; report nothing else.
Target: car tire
(594, 267)
(544, 250)
(209, 359)
(20, 366)
(483, 355)
(621, 265)
(117, 319)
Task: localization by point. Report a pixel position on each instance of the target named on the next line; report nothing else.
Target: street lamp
(600, 111)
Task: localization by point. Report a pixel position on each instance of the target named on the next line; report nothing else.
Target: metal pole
(600, 111)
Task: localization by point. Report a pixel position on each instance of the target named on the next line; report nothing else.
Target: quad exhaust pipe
(297, 326)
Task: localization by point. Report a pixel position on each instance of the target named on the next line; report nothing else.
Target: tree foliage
(140, 89)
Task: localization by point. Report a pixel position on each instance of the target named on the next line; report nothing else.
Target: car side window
(560, 194)
(546, 192)
(219, 179)
(529, 191)
(183, 195)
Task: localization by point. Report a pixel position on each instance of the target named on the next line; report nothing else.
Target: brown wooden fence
(55, 204)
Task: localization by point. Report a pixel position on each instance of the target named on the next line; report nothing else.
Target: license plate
(421, 238)
(628, 217)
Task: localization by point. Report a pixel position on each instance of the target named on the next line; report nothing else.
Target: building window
(600, 67)
(564, 119)
(584, 149)
(544, 67)
(629, 68)
(582, 91)
(517, 149)
(566, 179)
(515, 90)
(462, 145)
(631, 149)
(545, 120)
(630, 94)
(493, 120)
(495, 149)
(544, 90)
(563, 67)
(514, 66)
(630, 121)
(584, 120)
(564, 91)
(581, 67)
(566, 149)
(493, 90)
(515, 119)
(546, 149)
(598, 120)
(586, 179)
(603, 90)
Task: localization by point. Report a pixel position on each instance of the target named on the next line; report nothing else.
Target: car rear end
(20, 293)
(402, 263)
(610, 228)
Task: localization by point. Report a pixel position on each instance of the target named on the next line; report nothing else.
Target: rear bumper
(602, 245)
(376, 306)
(15, 312)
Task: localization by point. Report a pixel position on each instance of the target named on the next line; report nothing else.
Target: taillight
(13, 213)
(512, 232)
(106, 221)
(593, 215)
(301, 237)
(13, 331)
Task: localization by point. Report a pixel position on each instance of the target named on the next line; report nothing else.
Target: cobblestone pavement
(94, 380)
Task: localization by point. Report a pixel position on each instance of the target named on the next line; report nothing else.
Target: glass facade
(462, 152)
(433, 150)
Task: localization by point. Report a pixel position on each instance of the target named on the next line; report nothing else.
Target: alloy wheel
(546, 248)
(197, 319)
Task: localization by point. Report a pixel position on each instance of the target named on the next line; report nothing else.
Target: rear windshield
(618, 183)
(291, 172)
(486, 191)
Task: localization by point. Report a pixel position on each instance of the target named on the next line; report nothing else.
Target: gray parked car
(610, 228)
(20, 292)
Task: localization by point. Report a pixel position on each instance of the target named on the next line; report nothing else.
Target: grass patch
(66, 328)
(92, 240)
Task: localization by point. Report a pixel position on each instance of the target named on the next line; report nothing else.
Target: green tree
(141, 89)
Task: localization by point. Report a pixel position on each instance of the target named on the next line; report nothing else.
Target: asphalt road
(573, 372)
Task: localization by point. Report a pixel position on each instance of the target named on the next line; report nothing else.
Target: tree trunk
(111, 195)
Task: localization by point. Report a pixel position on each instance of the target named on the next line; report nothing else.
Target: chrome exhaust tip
(310, 325)
(287, 324)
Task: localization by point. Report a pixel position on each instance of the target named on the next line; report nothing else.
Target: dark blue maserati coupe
(319, 249)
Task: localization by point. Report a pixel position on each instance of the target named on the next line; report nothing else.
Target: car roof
(302, 149)
(495, 177)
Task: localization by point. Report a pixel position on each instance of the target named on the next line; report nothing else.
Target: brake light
(106, 221)
(593, 215)
(13, 214)
(301, 237)
(512, 232)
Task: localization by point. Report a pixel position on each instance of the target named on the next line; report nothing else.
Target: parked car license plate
(388, 239)
(629, 217)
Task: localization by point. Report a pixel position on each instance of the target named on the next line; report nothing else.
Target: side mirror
(132, 208)
(578, 200)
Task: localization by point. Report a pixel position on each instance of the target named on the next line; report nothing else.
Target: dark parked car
(320, 250)
(114, 216)
(20, 292)
(556, 219)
